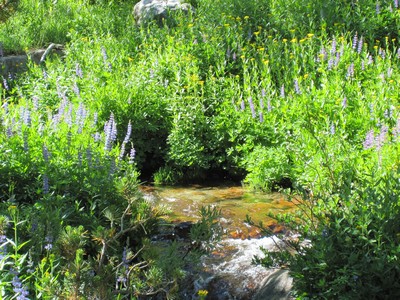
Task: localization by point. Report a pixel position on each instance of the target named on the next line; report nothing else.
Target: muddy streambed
(228, 272)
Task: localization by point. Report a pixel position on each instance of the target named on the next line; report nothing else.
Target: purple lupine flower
(76, 90)
(355, 40)
(360, 45)
(49, 243)
(350, 71)
(333, 47)
(253, 111)
(35, 101)
(283, 91)
(5, 84)
(261, 117)
(95, 117)
(382, 53)
(242, 105)
(396, 3)
(296, 87)
(377, 8)
(332, 129)
(97, 137)
(128, 133)
(330, 64)
(110, 130)
(113, 167)
(269, 106)
(105, 59)
(337, 59)
(380, 139)
(234, 56)
(45, 184)
(396, 129)
(370, 60)
(9, 132)
(27, 118)
(369, 140)
(78, 71)
(344, 102)
(362, 66)
(19, 289)
(45, 153)
(132, 154)
(45, 76)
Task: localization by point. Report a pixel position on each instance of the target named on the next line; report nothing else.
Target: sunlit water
(228, 272)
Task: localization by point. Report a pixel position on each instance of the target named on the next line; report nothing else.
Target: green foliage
(270, 92)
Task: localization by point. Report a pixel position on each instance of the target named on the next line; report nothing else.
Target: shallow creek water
(228, 272)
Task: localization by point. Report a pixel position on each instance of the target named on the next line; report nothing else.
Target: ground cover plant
(275, 93)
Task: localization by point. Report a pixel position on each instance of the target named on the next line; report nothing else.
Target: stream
(228, 272)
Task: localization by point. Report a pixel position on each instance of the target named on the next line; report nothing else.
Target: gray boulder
(146, 11)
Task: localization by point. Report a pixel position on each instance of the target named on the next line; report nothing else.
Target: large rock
(146, 11)
(16, 64)
(277, 286)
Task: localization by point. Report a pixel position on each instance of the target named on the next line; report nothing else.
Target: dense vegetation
(298, 94)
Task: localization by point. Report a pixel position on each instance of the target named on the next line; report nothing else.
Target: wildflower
(78, 71)
(5, 84)
(333, 46)
(296, 87)
(332, 129)
(132, 154)
(242, 105)
(377, 8)
(396, 3)
(45, 153)
(344, 102)
(45, 184)
(380, 139)
(19, 289)
(310, 35)
(76, 90)
(360, 45)
(253, 112)
(369, 140)
(261, 117)
(110, 130)
(49, 243)
(355, 40)
(283, 91)
(350, 71)
(105, 59)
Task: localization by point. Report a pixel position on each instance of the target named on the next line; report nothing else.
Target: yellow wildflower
(246, 17)
(256, 33)
(310, 35)
(294, 40)
(284, 40)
